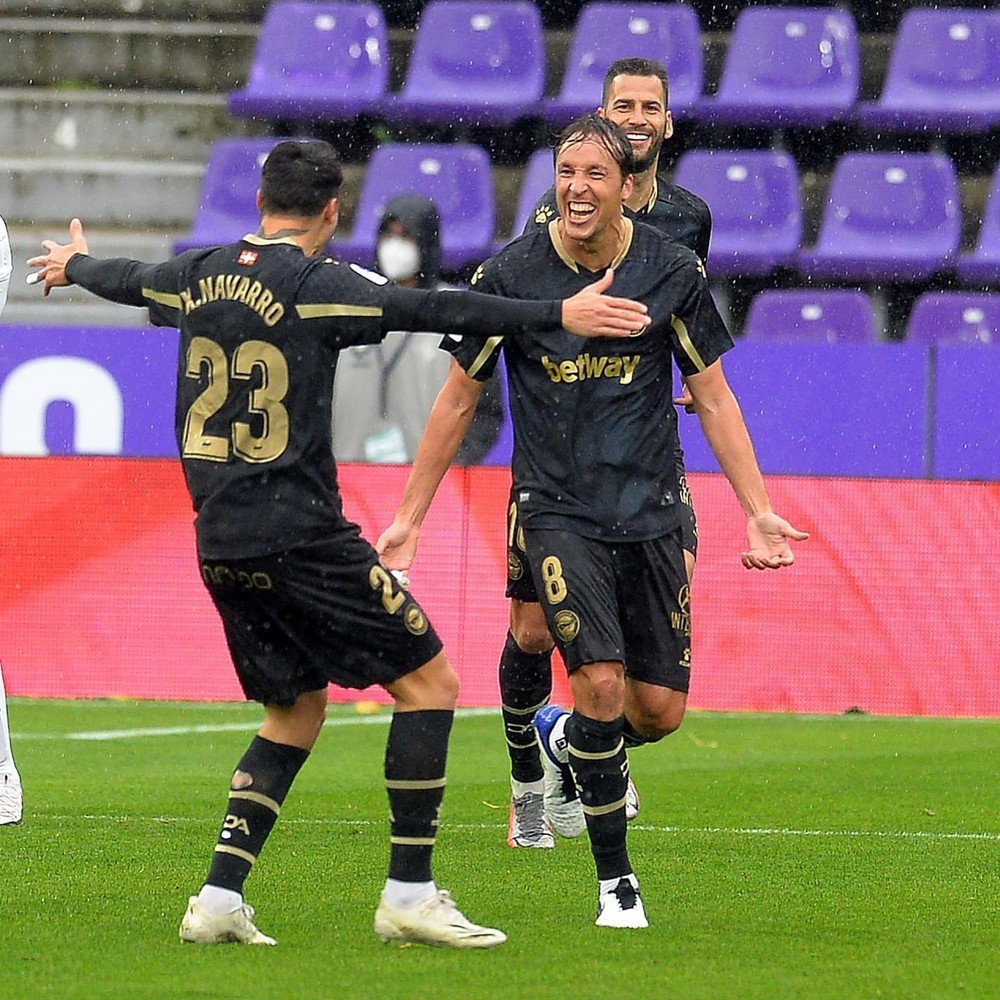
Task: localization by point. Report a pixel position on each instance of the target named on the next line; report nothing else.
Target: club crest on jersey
(415, 620)
(247, 258)
(514, 568)
(567, 625)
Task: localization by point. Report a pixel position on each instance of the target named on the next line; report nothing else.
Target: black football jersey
(595, 432)
(676, 212)
(261, 327)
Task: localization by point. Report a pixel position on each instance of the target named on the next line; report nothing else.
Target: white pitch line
(381, 718)
(715, 831)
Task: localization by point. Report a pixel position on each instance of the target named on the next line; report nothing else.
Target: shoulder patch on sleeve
(372, 276)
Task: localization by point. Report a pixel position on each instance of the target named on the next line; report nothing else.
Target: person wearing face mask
(383, 393)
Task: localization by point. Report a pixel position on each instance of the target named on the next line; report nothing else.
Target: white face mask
(398, 258)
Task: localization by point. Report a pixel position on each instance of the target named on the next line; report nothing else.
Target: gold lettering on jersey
(234, 288)
(585, 366)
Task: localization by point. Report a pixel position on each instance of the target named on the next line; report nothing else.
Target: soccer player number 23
(207, 359)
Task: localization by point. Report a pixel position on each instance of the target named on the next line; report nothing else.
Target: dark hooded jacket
(384, 392)
(419, 217)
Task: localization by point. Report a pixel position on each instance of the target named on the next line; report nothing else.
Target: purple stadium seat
(227, 206)
(456, 177)
(605, 32)
(944, 74)
(316, 60)
(756, 207)
(888, 217)
(473, 62)
(787, 66)
(954, 318)
(982, 265)
(814, 316)
(536, 178)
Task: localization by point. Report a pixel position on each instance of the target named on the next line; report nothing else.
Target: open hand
(768, 536)
(52, 263)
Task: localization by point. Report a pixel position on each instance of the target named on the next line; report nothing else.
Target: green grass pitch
(780, 857)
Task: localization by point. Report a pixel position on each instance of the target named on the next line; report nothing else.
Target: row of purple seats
(892, 217)
(887, 216)
(457, 177)
(483, 62)
(842, 315)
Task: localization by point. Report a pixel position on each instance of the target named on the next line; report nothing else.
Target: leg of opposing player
(11, 798)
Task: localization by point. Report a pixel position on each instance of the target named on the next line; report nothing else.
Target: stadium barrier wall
(891, 607)
(889, 410)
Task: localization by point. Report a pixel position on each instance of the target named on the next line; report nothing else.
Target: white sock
(407, 895)
(218, 901)
(610, 884)
(519, 788)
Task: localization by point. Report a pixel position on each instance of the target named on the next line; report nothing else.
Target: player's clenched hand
(591, 313)
(768, 536)
(53, 262)
(397, 545)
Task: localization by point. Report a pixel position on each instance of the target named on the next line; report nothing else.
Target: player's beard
(645, 162)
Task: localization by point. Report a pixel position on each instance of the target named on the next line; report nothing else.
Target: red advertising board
(890, 608)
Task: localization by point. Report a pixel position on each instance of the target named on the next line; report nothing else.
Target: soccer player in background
(635, 96)
(595, 472)
(303, 598)
(11, 797)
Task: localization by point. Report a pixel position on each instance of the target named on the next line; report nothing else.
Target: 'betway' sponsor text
(584, 366)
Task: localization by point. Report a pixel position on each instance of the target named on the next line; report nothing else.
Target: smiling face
(590, 189)
(639, 105)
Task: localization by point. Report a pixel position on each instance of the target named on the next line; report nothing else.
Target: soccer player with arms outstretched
(595, 473)
(303, 598)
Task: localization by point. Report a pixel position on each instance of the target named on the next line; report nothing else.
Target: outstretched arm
(768, 535)
(588, 313)
(446, 428)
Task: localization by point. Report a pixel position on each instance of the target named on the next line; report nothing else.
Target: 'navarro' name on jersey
(234, 288)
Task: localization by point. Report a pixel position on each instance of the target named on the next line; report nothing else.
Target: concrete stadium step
(174, 55)
(128, 193)
(131, 124)
(73, 306)
(179, 10)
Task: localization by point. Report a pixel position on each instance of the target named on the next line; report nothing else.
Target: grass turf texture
(780, 856)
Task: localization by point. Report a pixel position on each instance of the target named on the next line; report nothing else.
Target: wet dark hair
(611, 136)
(635, 67)
(299, 178)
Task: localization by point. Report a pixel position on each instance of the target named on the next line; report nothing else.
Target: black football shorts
(615, 600)
(320, 613)
(521, 586)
